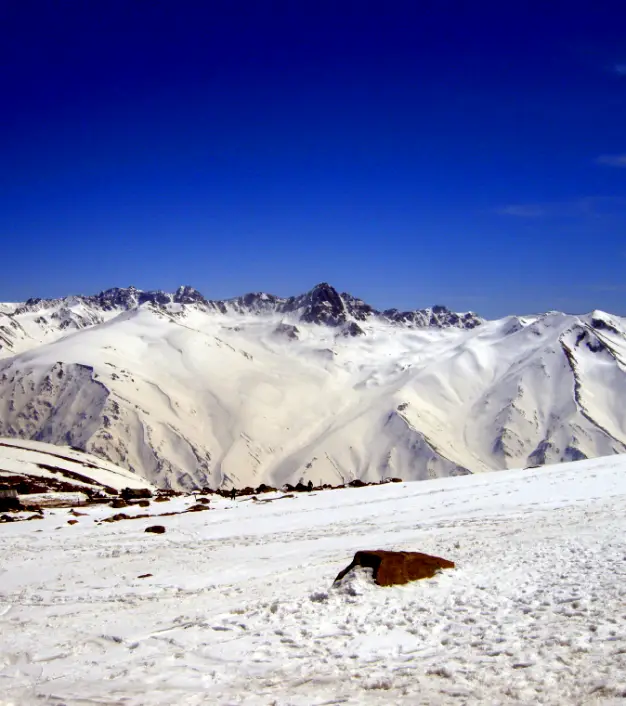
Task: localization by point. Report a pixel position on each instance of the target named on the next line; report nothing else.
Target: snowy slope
(35, 459)
(235, 606)
(188, 392)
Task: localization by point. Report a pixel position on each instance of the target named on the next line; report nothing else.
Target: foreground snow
(239, 608)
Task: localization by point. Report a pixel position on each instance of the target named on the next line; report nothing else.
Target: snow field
(240, 610)
(187, 396)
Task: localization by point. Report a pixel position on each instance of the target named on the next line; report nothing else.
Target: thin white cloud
(587, 206)
(607, 287)
(523, 210)
(612, 160)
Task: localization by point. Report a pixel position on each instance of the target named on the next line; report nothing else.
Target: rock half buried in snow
(391, 568)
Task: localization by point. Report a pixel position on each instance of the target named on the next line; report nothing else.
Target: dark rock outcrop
(321, 305)
(287, 331)
(353, 329)
(136, 493)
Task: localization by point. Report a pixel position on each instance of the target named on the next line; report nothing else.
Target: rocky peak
(117, 298)
(322, 305)
(188, 295)
(256, 302)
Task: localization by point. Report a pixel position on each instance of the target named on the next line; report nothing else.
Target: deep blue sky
(471, 154)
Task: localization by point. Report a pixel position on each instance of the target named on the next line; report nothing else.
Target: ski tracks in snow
(240, 610)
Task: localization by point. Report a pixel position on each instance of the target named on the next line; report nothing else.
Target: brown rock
(116, 518)
(391, 568)
(136, 493)
(162, 499)
(144, 576)
(10, 503)
(157, 529)
(198, 508)
(119, 502)
(72, 522)
(143, 503)
(204, 501)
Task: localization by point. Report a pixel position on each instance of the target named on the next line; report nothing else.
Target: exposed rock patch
(397, 568)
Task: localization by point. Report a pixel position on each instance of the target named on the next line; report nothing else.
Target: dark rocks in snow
(437, 317)
(353, 329)
(118, 503)
(253, 302)
(9, 499)
(322, 305)
(117, 517)
(136, 493)
(603, 325)
(539, 457)
(288, 331)
(357, 308)
(198, 508)
(571, 453)
(155, 529)
(188, 295)
(397, 568)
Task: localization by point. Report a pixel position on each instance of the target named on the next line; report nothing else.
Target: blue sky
(412, 153)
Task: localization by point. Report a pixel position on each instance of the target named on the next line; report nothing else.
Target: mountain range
(188, 392)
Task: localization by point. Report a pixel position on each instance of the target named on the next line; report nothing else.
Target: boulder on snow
(198, 508)
(391, 568)
(8, 503)
(156, 529)
(136, 493)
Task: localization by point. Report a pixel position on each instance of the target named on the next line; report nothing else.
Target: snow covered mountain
(187, 391)
(51, 465)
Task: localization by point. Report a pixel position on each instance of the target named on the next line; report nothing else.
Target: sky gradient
(412, 153)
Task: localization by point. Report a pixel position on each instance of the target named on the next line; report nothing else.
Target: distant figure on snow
(310, 486)
(233, 493)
